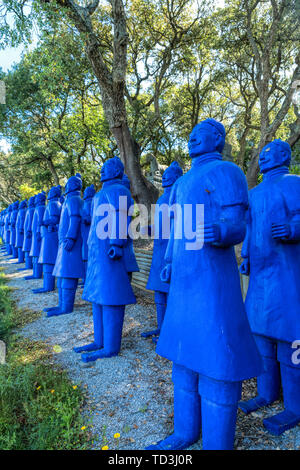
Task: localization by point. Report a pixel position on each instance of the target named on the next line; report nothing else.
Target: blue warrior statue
(88, 195)
(5, 229)
(36, 228)
(13, 221)
(69, 266)
(205, 331)
(20, 231)
(162, 222)
(128, 251)
(28, 233)
(8, 230)
(271, 255)
(107, 283)
(49, 245)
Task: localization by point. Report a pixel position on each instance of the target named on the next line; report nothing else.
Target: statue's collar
(275, 172)
(111, 182)
(206, 158)
(73, 193)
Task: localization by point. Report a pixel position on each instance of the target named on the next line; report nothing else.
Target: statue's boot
(161, 305)
(59, 284)
(219, 405)
(68, 293)
(49, 280)
(290, 379)
(28, 262)
(268, 383)
(113, 319)
(98, 332)
(187, 411)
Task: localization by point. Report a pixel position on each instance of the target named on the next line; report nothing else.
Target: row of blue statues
(214, 339)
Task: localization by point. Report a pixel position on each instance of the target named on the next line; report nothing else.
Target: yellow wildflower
(117, 435)
(83, 428)
(52, 391)
(105, 448)
(74, 387)
(38, 388)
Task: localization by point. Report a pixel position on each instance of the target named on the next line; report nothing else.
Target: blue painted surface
(20, 224)
(88, 195)
(206, 331)
(37, 223)
(28, 224)
(271, 253)
(162, 216)
(107, 283)
(128, 250)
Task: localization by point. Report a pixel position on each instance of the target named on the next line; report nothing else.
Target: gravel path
(130, 394)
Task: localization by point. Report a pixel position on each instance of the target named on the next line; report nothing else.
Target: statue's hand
(87, 220)
(212, 233)
(245, 267)
(51, 228)
(166, 273)
(281, 231)
(38, 236)
(29, 234)
(115, 252)
(69, 244)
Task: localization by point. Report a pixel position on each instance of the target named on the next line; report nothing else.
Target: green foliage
(40, 409)
(27, 191)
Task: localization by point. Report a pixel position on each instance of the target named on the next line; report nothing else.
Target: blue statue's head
(171, 175)
(15, 205)
(40, 199)
(31, 201)
(275, 154)
(207, 137)
(10, 208)
(61, 199)
(89, 192)
(112, 169)
(54, 193)
(23, 204)
(126, 181)
(74, 184)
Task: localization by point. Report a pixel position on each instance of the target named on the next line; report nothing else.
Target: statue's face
(169, 177)
(203, 140)
(89, 192)
(272, 156)
(54, 192)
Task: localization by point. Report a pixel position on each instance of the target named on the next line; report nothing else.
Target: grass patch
(40, 408)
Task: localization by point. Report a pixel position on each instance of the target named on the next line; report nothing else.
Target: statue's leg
(187, 411)
(8, 249)
(28, 262)
(219, 405)
(48, 310)
(85, 271)
(113, 319)
(68, 292)
(14, 252)
(290, 378)
(268, 383)
(34, 267)
(98, 332)
(161, 305)
(21, 256)
(49, 280)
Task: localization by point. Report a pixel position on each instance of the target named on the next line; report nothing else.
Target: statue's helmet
(23, 204)
(74, 184)
(171, 174)
(207, 137)
(40, 198)
(31, 201)
(89, 192)
(275, 154)
(112, 169)
(16, 205)
(55, 192)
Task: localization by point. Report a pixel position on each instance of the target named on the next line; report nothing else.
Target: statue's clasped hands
(281, 231)
(69, 244)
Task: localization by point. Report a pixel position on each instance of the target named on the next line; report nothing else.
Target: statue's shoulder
(290, 180)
